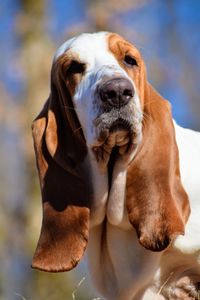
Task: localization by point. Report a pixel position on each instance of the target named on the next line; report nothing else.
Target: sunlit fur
(120, 267)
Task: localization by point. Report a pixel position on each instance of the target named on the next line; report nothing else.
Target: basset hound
(118, 176)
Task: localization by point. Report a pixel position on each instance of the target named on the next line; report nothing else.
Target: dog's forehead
(89, 48)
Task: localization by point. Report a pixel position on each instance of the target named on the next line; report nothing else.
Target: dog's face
(102, 76)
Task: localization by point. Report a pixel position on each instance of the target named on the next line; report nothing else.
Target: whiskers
(144, 116)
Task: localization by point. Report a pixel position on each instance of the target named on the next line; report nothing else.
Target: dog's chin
(113, 141)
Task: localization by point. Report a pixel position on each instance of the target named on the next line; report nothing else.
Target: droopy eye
(130, 61)
(75, 68)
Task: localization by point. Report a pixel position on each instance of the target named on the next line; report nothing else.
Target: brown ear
(158, 206)
(60, 151)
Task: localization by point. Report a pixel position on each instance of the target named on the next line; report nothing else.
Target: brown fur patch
(120, 47)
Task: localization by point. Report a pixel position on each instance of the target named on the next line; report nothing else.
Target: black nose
(116, 92)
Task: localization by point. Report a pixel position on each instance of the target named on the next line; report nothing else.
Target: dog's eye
(130, 61)
(75, 68)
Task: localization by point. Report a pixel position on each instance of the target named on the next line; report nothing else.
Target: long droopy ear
(60, 152)
(158, 206)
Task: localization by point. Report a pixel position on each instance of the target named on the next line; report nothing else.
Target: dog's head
(104, 73)
(100, 99)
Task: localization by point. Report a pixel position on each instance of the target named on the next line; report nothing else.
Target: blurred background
(166, 32)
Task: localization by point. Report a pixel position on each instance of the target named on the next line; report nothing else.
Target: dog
(117, 175)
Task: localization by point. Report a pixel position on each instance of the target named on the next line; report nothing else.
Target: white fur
(116, 210)
(100, 186)
(189, 153)
(120, 267)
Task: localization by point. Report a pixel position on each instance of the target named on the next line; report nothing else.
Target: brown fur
(60, 151)
(157, 204)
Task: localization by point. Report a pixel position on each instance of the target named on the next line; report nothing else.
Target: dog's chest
(113, 247)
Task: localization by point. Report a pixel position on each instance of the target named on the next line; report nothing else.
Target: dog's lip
(120, 124)
(117, 124)
(117, 134)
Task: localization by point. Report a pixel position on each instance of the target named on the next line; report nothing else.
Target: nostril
(128, 92)
(111, 94)
(106, 95)
(126, 96)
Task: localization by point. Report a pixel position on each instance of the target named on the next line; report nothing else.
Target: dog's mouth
(113, 141)
(117, 134)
